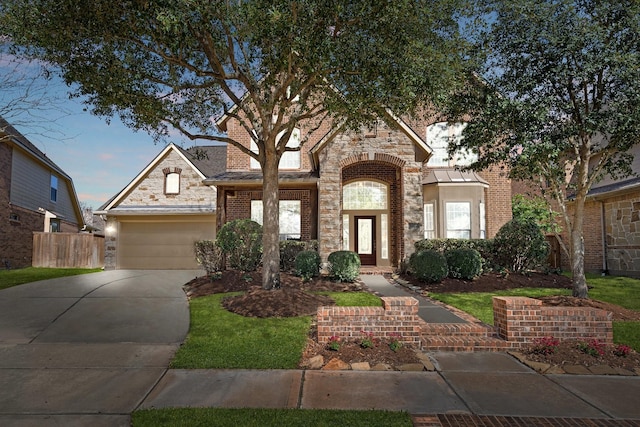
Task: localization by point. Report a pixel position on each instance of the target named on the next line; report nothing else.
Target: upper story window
(290, 159)
(172, 181)
(365, 195)
(54, 188)
(439, 135)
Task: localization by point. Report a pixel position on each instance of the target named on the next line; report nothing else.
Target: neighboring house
(155, 220)
(35, 196)
(612, 224)
(375, 192)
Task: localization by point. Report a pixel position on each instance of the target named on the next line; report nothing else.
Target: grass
(219, 339)
(223, 417)
(622, 291)
(9, 278)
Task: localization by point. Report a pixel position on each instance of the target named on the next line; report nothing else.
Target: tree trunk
(270, 224)
(580, 289)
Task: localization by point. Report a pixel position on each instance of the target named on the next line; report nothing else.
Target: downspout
(605, 266)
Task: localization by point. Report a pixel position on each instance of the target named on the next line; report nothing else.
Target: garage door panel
(162, 245)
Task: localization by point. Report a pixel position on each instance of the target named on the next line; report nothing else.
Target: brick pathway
(459, 420)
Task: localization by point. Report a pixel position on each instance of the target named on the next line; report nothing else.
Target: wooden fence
(68, 250)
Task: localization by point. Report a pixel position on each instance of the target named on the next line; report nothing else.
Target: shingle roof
(209, 159)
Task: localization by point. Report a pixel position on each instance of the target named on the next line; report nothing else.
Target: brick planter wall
(398, 315)
(521, 320)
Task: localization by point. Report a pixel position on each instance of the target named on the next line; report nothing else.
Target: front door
(365, 239)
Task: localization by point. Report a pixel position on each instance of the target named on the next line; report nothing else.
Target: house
(35, 196)
(375, 192)
(612, 224)
(154, 221)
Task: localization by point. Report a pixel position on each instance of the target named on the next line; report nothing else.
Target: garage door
(164, 245)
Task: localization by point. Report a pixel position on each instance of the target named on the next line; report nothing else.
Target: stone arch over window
(374, 157)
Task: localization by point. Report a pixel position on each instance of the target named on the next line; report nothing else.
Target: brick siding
(399, 315)
(521, 320)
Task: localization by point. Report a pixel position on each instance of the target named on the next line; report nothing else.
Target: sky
(100, 157)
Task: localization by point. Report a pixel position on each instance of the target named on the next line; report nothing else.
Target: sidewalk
(473, 385)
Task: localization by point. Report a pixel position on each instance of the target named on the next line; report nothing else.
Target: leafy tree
(270, 64)
(536, 209)
(560, 100)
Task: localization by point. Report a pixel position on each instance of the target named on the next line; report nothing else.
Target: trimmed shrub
(209, 256)
(241, 241)
(289, 249)
(429, 266)
(464, 263)
(484, 246)
(521, 246)
(344, 266)
(307, 264)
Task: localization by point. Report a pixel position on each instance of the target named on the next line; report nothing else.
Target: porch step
(460, 337)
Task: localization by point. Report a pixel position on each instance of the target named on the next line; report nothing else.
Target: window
(345, 232)
(429, 221)
(290, 214)
(438, 137)
(172, 183)
(364, 195)
(289, 159)
(384, 232)
(483, 221)
(54, 188)
(54, 225)
(458, 220)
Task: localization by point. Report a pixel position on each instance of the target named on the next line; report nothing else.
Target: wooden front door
(365, 239)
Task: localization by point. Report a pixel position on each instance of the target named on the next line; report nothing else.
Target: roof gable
(186, 156)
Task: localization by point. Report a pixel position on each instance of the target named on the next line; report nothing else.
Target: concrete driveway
(86, 350)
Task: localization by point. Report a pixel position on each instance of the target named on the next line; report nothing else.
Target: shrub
(484, 246)
(520, 246)
(209, 256)
(344, 265)
(307, 264)
(289, 249)
(429, 266)
(241, 241)
(464, 263)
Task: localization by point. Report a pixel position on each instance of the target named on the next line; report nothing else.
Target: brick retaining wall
(399, 315)
(521, 320)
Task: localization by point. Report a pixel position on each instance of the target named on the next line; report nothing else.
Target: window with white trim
(429, 221)
(290, 217)
(458, 220)
(439, 135)
(483, 221)
(172, 183)
(364, 195)
(289, 159)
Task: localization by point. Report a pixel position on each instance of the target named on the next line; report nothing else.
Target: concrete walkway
(89, 350)
(427, 310)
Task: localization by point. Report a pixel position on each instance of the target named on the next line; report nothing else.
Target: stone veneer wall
(399, 315)
(521, 320)
(150, 190)
(622, 225)
(378, 146)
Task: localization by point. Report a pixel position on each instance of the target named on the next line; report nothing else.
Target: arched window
(365, 195)
(172, 183)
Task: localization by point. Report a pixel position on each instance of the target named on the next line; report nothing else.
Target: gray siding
(31, 187)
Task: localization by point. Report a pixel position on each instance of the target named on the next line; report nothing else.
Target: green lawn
(222, 417)
(623, 291)
(9, 278)
(221, 339)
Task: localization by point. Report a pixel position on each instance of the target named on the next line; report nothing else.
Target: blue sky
(101, 158)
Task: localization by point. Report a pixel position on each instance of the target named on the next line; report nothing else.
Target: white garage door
(162, 245)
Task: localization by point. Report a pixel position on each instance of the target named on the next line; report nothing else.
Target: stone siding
(622, 224)
(150, 190)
